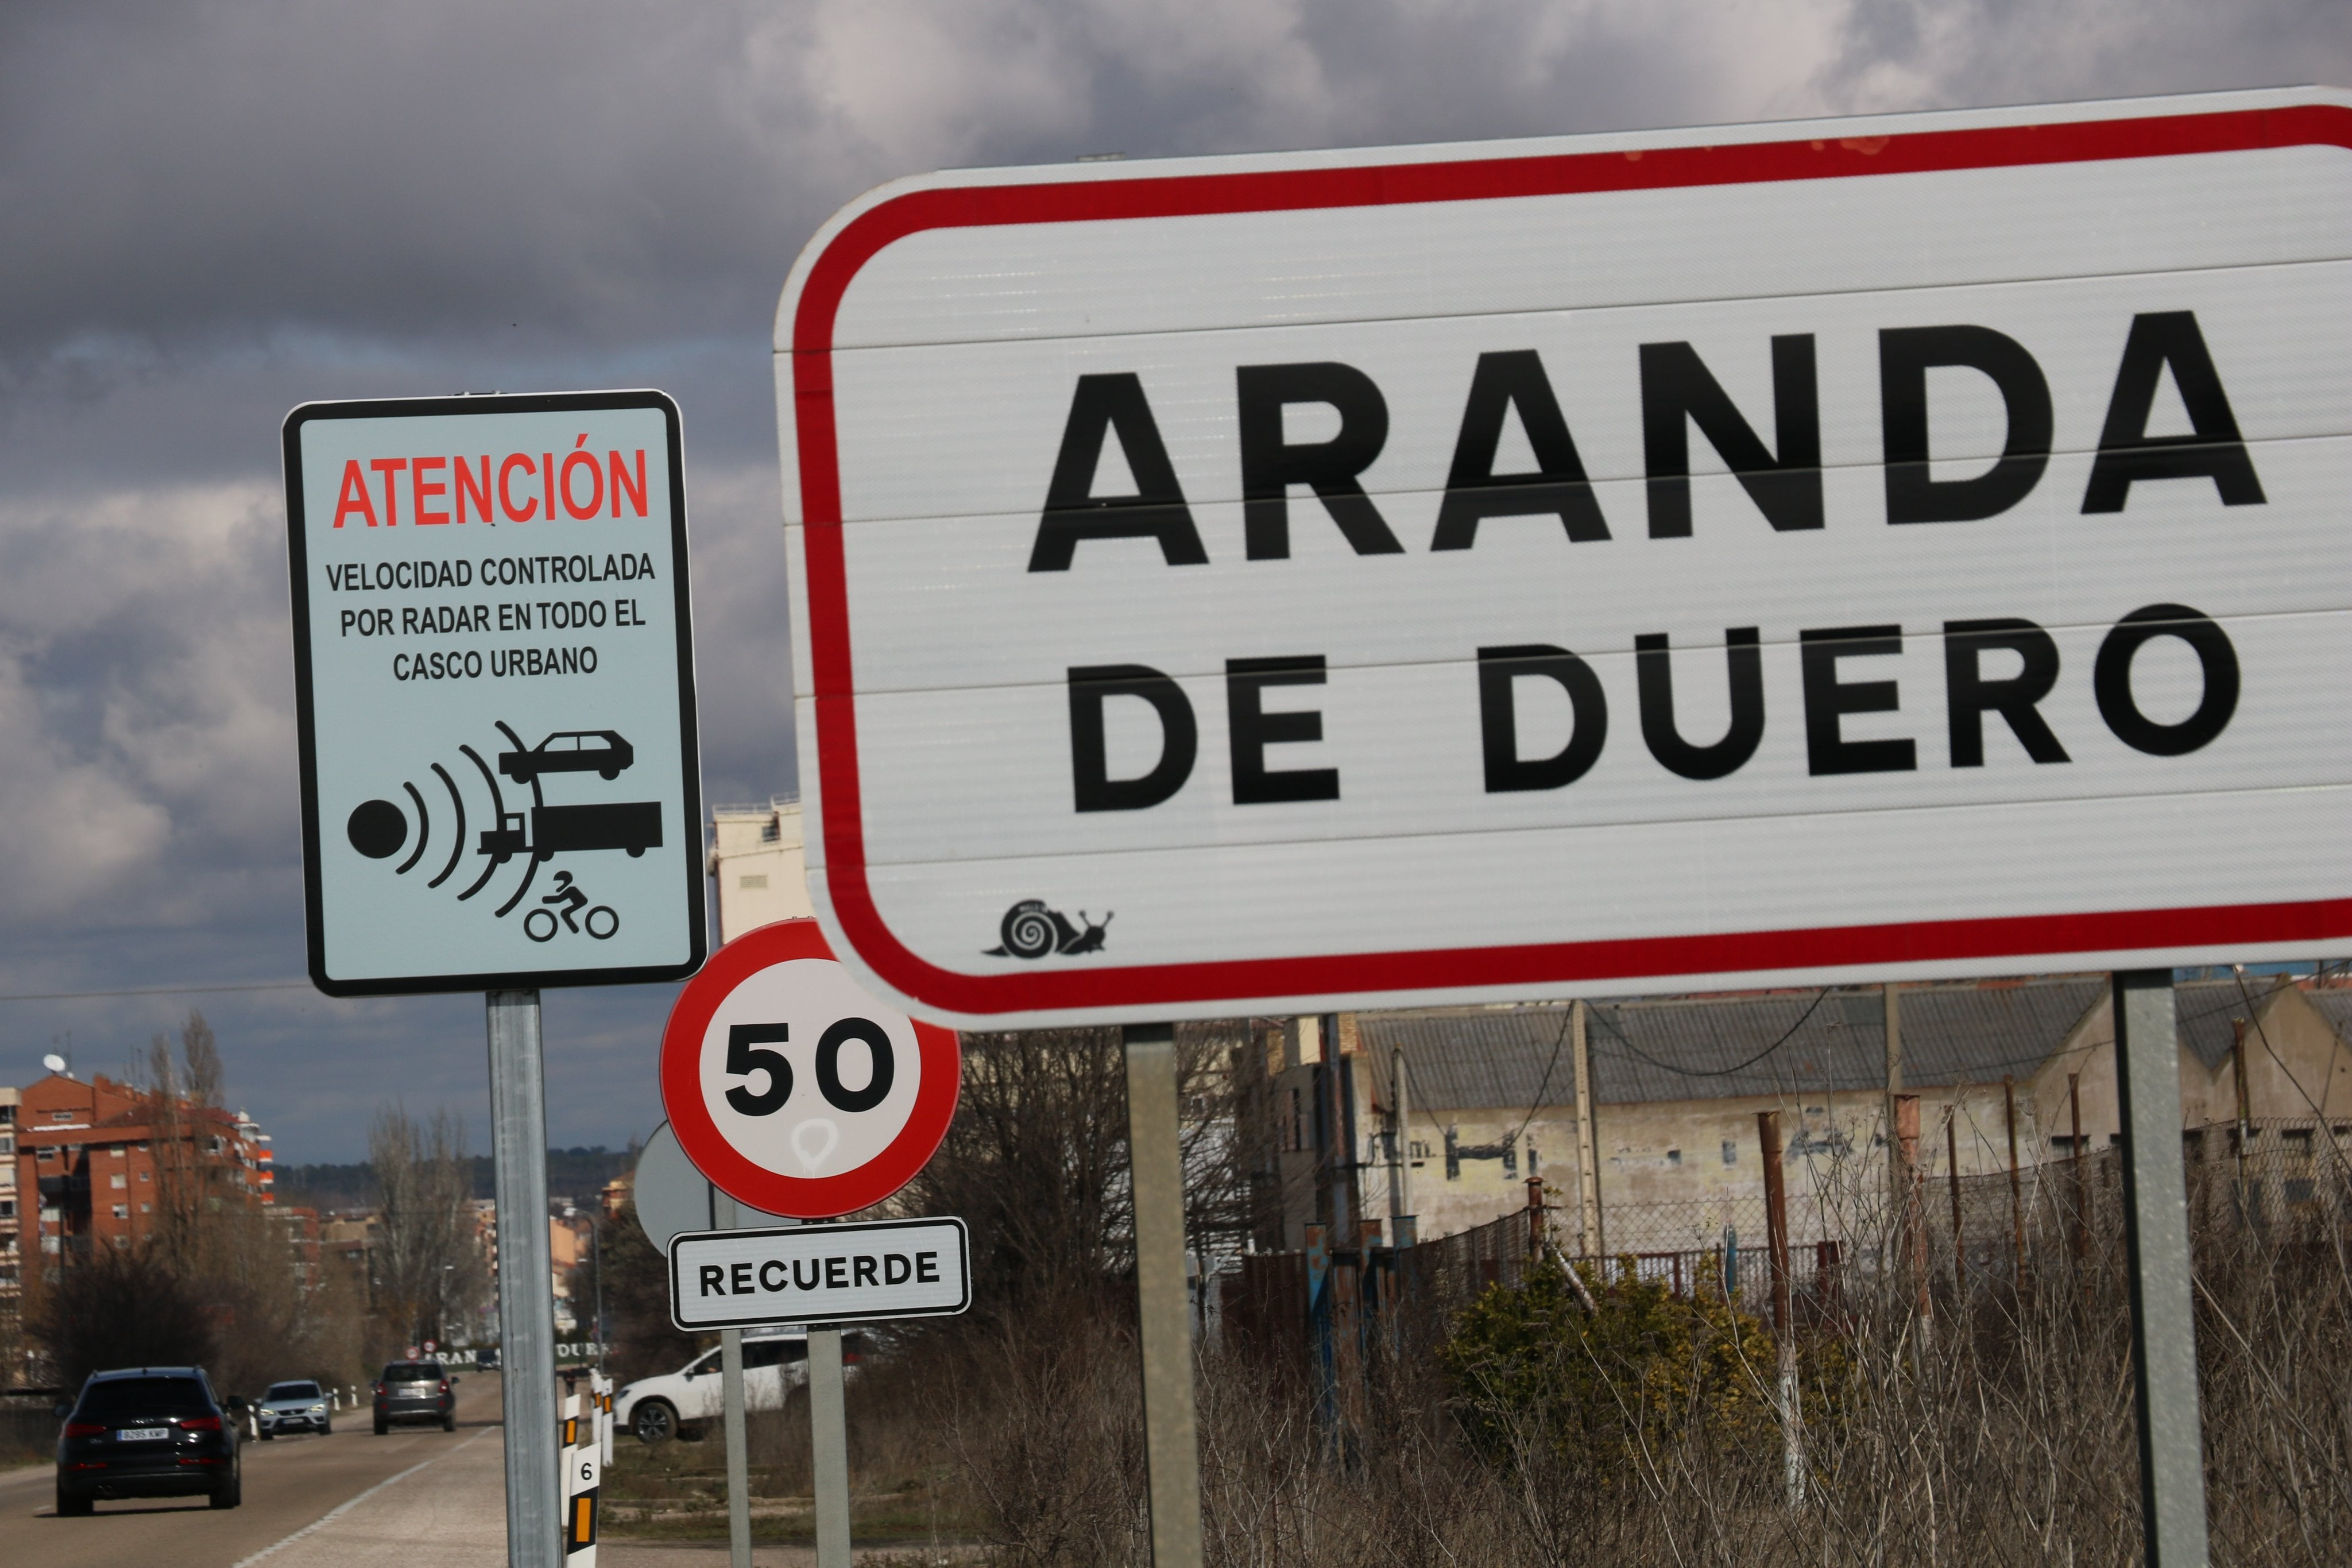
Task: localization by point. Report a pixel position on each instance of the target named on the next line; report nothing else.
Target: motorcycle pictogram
(572, 900)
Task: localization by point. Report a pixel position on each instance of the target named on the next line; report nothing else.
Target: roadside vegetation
(1585, 1417)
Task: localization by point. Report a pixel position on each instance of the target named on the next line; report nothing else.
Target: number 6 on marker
(744, 1057)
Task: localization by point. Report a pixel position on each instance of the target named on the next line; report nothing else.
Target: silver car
(294, 1407)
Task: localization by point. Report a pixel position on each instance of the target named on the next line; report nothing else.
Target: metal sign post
(723, 1215)
(829, 1440)
(526, 1303)
(1156, 1159)
(2155, 1227)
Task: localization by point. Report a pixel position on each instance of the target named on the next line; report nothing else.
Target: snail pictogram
(1031, 930)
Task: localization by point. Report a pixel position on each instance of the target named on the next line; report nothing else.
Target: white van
(676, 1403)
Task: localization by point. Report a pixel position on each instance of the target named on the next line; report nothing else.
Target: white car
(678, 1403)
(293, 1407)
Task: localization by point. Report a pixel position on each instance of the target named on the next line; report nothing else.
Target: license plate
(144, 1434)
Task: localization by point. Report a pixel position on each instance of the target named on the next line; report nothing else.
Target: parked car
(293, 1407)
(148, 1431)
(414, 1391)
(676, 1403)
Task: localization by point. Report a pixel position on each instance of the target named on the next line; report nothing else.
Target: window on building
(1674, 1156)
(122, 1211)
(146, 1176)
(61, 1115)
(46, 1153)
(118, 1181)
(146, 1208)
(7, 1208)
(1730, 1153)
(771, 831)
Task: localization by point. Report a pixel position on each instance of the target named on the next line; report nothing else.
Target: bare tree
(192, 1174)
(1036, 1160)
(428, 1268)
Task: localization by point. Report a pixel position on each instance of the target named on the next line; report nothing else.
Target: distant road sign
(494, 690)
(792, 1088)
(1847, 549)
(671, 1196)
(820, 1274)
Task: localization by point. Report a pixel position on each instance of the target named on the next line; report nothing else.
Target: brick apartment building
(90, 1159)
(11, 1258)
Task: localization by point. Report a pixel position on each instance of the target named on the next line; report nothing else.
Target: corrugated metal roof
(1706, 1048)
(2206, 1010)
(2335, 1005)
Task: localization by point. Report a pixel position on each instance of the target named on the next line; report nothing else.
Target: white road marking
(348, 1504)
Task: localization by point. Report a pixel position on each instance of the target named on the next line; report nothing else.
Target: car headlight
(317, 1409)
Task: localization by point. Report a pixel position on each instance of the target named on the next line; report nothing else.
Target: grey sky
(216, 211)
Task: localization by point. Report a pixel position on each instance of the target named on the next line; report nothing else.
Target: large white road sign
(1862, 549)
(494, 679)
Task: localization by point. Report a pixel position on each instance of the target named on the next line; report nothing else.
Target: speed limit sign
(793, 1088)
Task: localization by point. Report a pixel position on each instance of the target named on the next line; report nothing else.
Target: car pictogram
(599, 751)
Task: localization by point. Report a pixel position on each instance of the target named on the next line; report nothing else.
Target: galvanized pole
(1156, 1161)
(2156, 1216)
(724, 1216)
(829, 1439)
(526, 1293)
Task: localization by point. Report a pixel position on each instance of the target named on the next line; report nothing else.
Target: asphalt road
(291, 1484)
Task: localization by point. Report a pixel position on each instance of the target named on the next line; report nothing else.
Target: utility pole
(1589, 1240)
(1896, 1183)
(1913, 1230)
(1399, 1152)
(1776, 1238)
(2016, 1188)
(1952, 1177)
(2082, 1231)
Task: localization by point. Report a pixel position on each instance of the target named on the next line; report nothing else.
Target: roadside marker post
(1965, 593)
(582, 1476)
(500, 780)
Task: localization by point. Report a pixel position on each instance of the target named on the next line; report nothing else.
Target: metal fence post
(1156, 1160)
(2156, 1215)
(526, 1291)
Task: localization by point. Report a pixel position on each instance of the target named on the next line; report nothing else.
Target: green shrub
(1534, 1367)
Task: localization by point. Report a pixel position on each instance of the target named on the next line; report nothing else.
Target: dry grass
(2000, 1431)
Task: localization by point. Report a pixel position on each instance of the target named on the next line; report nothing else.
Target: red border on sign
(867, 235)
(798, 1197)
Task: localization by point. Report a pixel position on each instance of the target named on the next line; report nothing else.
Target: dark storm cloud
(212, 211)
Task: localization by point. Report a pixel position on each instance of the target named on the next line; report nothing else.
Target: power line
(155, 991)
(1623, 1039)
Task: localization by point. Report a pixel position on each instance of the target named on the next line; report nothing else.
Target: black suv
(416, 1391)
(148, 1431)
